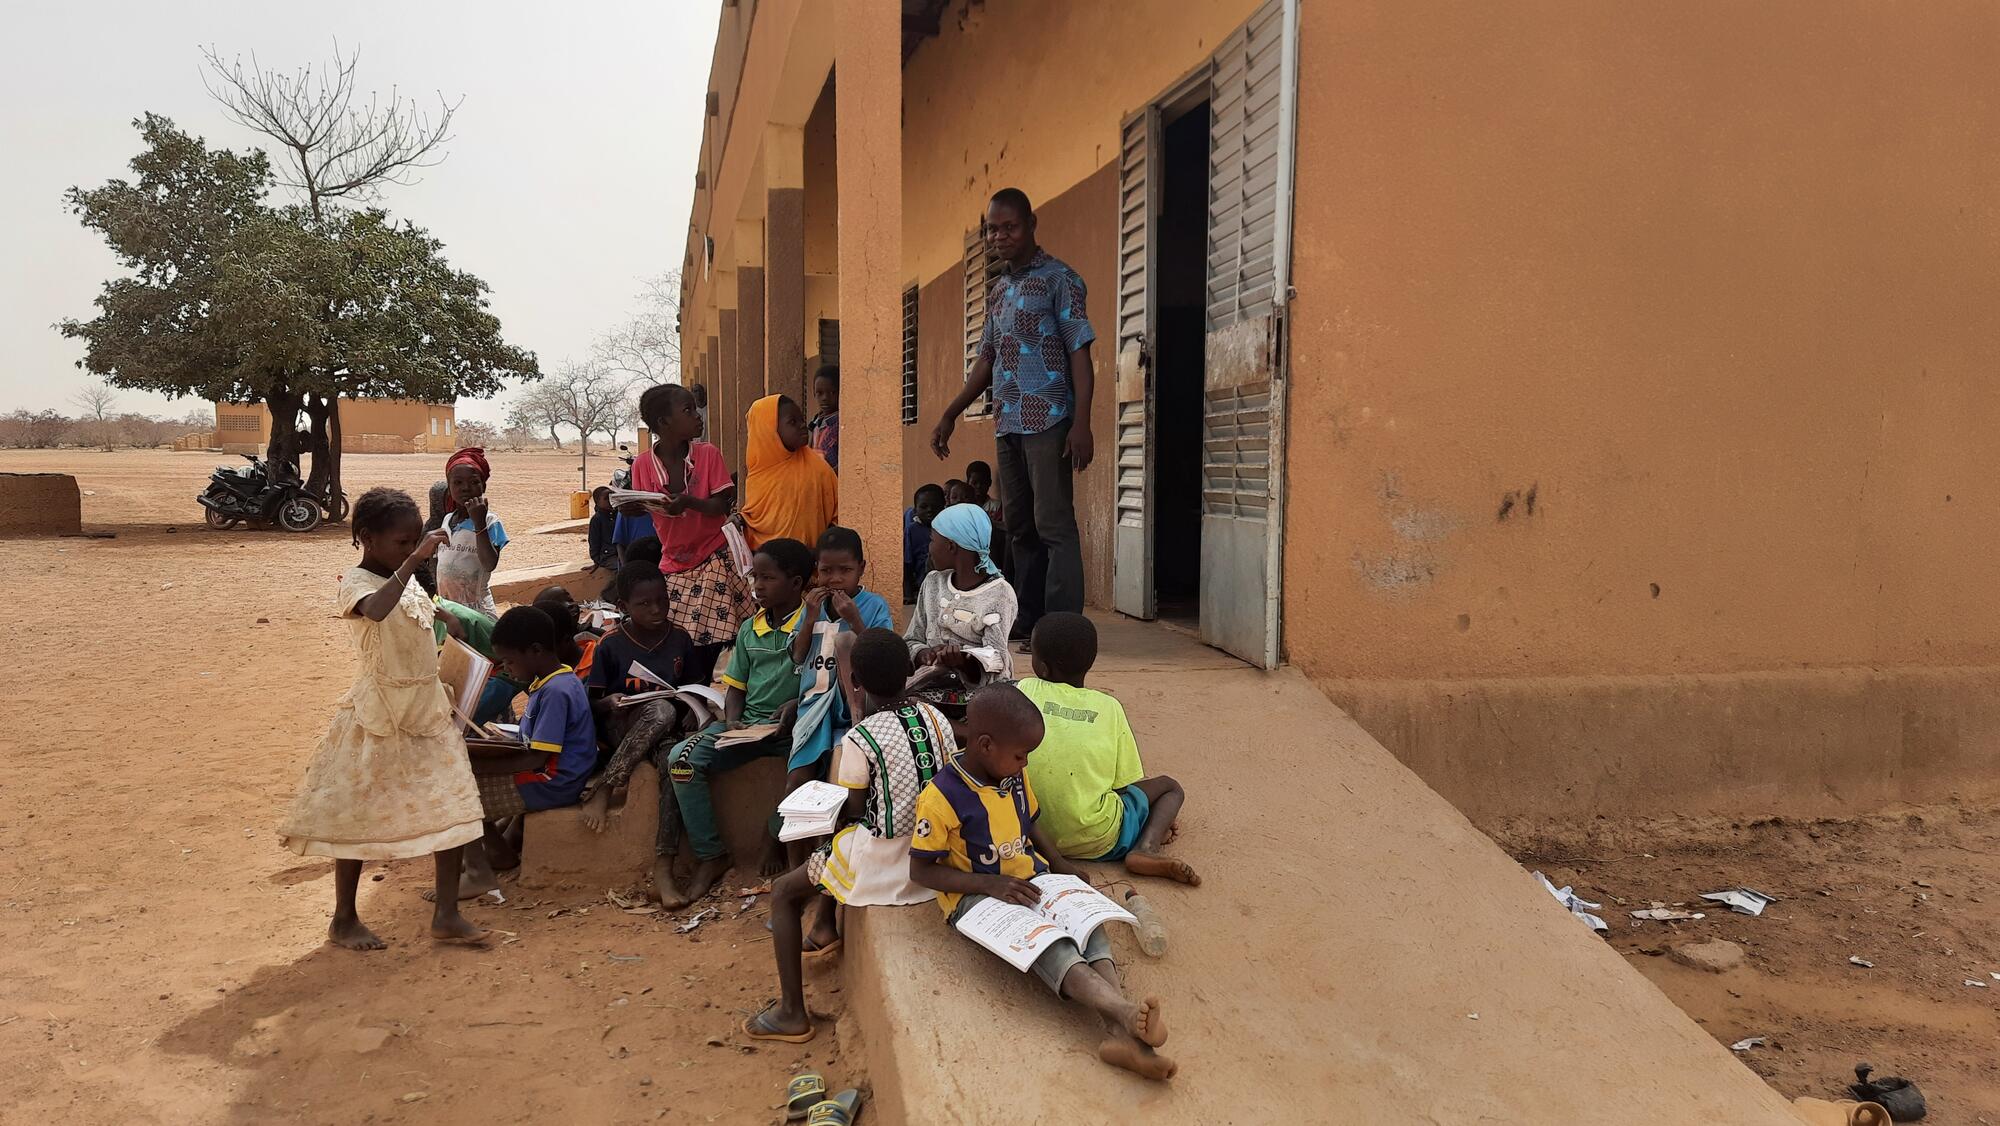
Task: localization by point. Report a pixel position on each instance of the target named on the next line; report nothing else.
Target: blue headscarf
(968, 526)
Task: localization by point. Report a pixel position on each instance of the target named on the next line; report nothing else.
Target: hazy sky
(568, 181)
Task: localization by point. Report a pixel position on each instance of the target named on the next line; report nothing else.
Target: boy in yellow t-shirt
(976, 836)
(1097, 803)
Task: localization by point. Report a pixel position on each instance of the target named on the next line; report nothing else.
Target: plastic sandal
(840, 1110)
(806, 1089)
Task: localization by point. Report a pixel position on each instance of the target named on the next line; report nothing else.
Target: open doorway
(1181, 265)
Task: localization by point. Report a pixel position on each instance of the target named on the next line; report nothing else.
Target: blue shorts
(1137, 808)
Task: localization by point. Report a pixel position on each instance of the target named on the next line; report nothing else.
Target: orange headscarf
(790, 494)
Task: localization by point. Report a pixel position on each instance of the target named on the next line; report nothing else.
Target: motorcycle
(256, 494)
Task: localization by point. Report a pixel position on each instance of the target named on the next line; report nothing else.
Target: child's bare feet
(774, 862)
(1166, 867)
(455, 928)
(706, 874)
(666, 886)
(1136, 1057)
(596, 809)
(1149, 1022)
(349, 933)
(1173, 833)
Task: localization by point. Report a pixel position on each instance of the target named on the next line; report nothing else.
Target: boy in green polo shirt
(762, 691)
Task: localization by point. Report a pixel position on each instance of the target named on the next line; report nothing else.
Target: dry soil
(1916, 892)
(160, 955)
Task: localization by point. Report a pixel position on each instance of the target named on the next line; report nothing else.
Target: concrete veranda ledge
(1349, 926)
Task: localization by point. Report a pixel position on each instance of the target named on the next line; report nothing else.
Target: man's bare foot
(456, 928)
(1149, 1022)
(349, 933)
(596, 809)
(775, 862)
(1166, 867)
(1133, 1056)
(706, 875)
(1173, 832)
(666, 886)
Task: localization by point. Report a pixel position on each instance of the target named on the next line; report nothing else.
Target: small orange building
(367, 426)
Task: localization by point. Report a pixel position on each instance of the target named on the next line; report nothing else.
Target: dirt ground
(160, 955)
(1917, 893)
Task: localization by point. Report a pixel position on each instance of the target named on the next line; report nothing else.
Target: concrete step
(1357, 953)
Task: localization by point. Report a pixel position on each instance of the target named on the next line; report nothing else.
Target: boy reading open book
(976, 843)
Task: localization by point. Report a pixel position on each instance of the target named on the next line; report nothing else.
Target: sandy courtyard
(161, 955)
(163, 961)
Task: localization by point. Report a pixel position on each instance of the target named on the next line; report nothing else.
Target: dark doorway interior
(1182, 264)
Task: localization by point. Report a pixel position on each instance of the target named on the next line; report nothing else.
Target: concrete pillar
(750, 311)
(725, 417)
(785, 263)
(868, 87)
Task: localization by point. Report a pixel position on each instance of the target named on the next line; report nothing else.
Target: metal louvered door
(1242, 410)
(1138, 210)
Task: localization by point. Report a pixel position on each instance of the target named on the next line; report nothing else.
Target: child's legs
(696, 762)
(346, 878)
(788, 902)
(667, 838)
(1167, 797)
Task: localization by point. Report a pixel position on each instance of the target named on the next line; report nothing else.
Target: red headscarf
(474, 456)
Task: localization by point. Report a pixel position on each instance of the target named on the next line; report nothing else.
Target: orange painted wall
(1711, 283)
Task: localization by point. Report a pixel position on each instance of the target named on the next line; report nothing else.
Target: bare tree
(647, 346)
(333, 146)
(534, 410)
(95, 401)
(588, 398)
(473, 432)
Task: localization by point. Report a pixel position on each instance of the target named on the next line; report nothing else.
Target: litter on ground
(1743, 901)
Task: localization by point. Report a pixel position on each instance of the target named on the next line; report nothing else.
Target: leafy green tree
(231, 298)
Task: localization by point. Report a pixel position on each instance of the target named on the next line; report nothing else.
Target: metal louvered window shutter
(1243, 170)
(909, 355)
(1136, 210)
(979, 271)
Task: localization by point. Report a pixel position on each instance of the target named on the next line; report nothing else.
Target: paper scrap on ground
(699, 918)
(1579, 907)
(1858, 960)
(1667, 914)
(1747, 1044)
(1743, 901)
(1976, 984)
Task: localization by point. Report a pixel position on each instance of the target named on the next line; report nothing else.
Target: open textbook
(1070, 908)
(811, 810)
(464, 673)
(704, 702)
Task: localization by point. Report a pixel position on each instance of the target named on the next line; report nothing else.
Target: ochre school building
(1591, 398)
(367, 426)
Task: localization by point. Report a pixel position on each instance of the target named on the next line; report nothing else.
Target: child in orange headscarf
(792, 492)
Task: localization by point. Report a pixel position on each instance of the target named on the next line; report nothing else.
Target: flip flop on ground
(805, 1089)
(760, 1027)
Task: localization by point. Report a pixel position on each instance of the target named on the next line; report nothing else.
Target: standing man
(1035, 354)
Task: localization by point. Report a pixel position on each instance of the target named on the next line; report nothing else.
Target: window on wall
(910, 355)
(980, 269)
(447, 427)
(434, 427)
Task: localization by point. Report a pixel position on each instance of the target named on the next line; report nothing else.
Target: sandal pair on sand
(806, 1097)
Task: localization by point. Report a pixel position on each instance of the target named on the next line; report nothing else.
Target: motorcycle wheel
(218, 520)
(299, 514)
